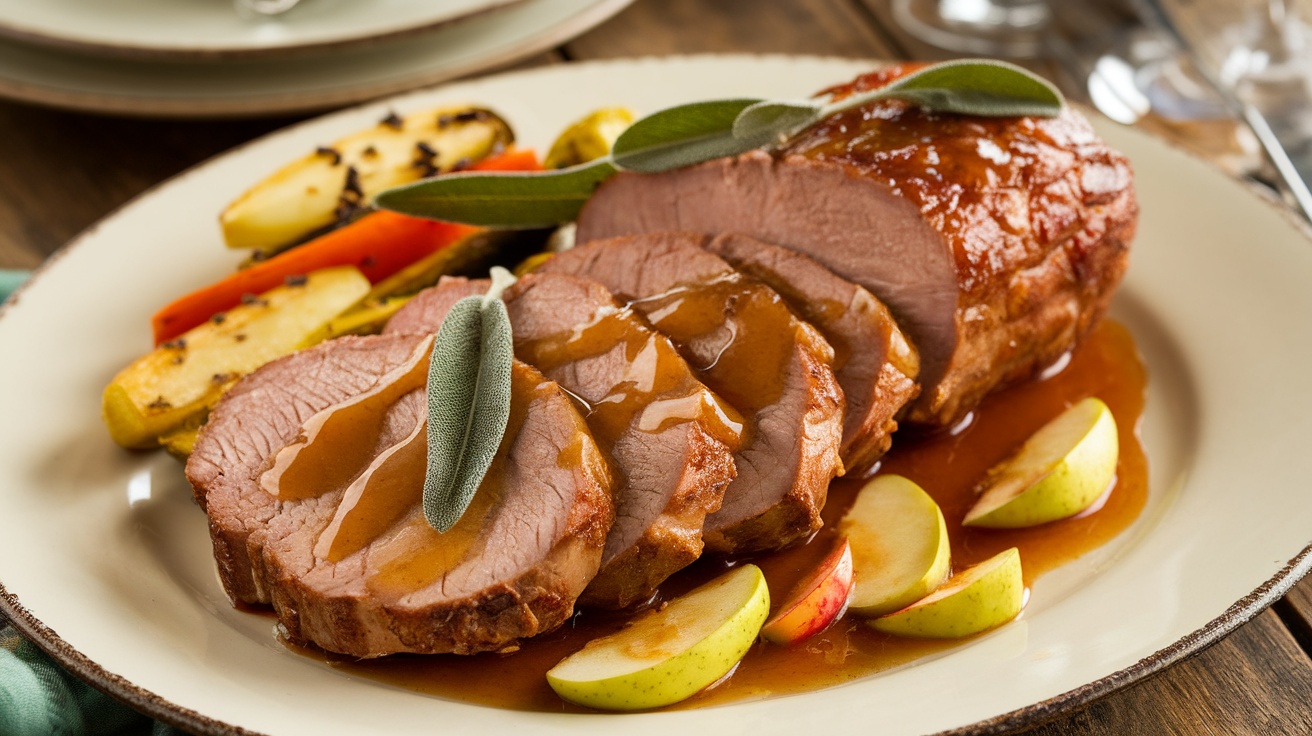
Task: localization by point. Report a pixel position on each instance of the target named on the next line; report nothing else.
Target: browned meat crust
(996, 242)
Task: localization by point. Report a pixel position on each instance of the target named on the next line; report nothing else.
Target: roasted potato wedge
(472, 255)
(180, 442)
(588, 139)
(177, 382)
(317, 190)
(365, 318)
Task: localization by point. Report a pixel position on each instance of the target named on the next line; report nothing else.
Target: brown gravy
(946, 465)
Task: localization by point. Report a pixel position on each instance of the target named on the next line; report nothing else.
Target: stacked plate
(204, 59)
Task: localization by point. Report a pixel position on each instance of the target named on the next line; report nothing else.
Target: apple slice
(900, 550)
(818, 601)
(976, 599)
(1059, 471)
(668, 654)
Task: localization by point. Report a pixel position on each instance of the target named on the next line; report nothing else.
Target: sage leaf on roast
(967, 87)
(684, 135)
(775, 120)
(468, 401)
(514, 199)
(690, 134)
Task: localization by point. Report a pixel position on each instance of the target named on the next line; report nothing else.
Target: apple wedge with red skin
(818, 601)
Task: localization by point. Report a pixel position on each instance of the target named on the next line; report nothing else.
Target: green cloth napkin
(39, 698)
(9, 280)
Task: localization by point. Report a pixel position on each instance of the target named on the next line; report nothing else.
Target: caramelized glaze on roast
(997, 242)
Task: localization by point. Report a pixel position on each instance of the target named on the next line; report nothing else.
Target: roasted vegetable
(333, 181)
(532, 263)
(365, 318)
(379, 245)
(471, 255)
(589, 138)
(181, 379)
(180, 442)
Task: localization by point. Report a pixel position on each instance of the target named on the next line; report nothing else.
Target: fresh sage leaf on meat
(684, 135)
(968, 87)
(776, 119)
(516, 199)
(700, 131)
(468, 401)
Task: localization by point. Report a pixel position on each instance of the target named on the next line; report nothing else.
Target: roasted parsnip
(172, 385)
(332, 182)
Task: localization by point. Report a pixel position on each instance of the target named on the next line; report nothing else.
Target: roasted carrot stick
(513, 159)
(379, 244)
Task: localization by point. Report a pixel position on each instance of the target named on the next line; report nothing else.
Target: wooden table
(62, 171)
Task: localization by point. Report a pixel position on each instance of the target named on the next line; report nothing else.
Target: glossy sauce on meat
(988, 185)
(946, 465)
(657, 390)
(733, 331)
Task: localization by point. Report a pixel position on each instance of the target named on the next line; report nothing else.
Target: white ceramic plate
(151, 87)
(213, 28)
(106, 561)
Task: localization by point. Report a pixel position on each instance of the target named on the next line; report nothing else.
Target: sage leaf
(684, 135)
(968, 87)
(468, 403)
(700, 131)
(511, 199)
(774, 120)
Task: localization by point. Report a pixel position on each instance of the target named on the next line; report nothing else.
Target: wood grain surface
(62, 171)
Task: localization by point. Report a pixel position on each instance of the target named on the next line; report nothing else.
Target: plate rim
(1237, 614)
(313, 101)
(74, 44)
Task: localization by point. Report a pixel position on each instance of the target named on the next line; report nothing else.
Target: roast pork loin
(669, 437)
(873, 362)
(259, 416)
(353, 566)
(997, 242)
(749, 348)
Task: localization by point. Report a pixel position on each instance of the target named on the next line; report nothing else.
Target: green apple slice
(900, 550)
(669, 654)
(1059, 471)
(976, 599)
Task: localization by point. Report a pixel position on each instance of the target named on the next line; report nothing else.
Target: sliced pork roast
(997, 242)
(750, 349)
(344, 552)
(259, 416)
(873, 362)
(670, 438)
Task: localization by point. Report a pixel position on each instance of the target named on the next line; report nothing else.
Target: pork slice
(260, 415)
(361, 572)
(669, 437)
(752, 351)
(996, 242)
(873, 362)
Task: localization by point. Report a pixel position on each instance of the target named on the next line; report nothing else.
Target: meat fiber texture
(259, 416)
(874, 363)
(749, 348)
(658, 423)
(512, 568)
(996, 242)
